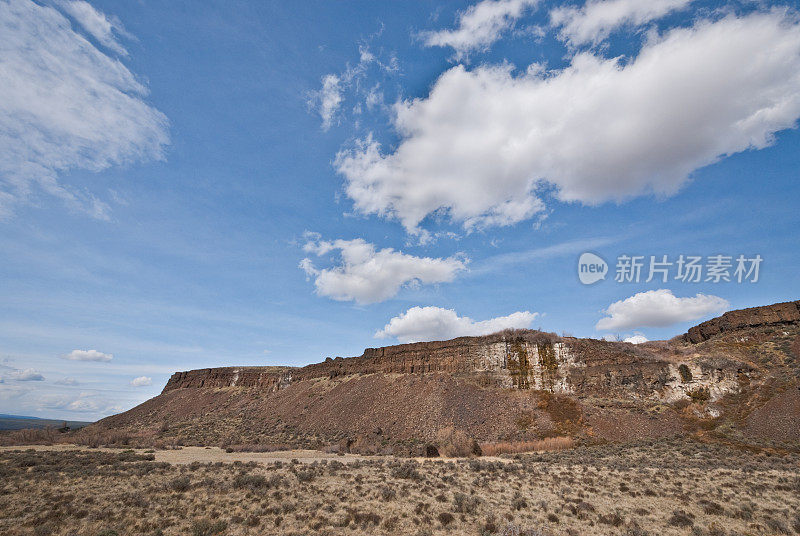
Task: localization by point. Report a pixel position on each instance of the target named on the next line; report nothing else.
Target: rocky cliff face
(266, 378)
(738, 373)
(522, 359)
(770, 315)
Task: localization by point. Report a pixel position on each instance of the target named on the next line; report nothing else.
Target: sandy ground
(186, 455)
(210, 454)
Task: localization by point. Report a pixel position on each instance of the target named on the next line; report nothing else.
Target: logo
(591, 268)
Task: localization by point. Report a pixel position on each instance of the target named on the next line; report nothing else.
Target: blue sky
(188, 185)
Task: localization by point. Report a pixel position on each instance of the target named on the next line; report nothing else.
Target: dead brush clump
(518, 530)
(456, 443)
(465, 504)
(100, 438)
(206, 527)
(539, 338)
(257, 482)
(514, 447)
(407, 470)
(43, 436)
(361, 519)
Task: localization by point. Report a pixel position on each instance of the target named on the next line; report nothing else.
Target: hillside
(734, 378)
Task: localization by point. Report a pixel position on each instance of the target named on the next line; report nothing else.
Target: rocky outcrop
(779, 313)
(519, 360)
(267, 378)
(513, 385)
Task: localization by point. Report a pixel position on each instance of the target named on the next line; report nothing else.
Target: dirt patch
(187, 455)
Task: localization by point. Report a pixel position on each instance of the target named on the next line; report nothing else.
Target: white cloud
(658, 308)
(598, 18)
(479, 26)
(26, 375)
(64, 104)
(10, 393)
(85, 402)
(67, 381)
(142, 381)
(434, 323)
(88, 355)
(598, 130)
(328, 99)
(637, 338)
(97, 24)
(367, 275)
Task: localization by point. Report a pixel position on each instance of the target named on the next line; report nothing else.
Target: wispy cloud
(594, 21)
(329, 100)
(571, 247)
(65, 104)
(479, 26)
(103, 28)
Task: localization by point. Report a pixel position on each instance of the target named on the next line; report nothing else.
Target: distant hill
(21, 422)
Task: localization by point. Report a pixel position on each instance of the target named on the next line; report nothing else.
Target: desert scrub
(465, 504)
(408, 470)
(180, 484)
(205, 527)
(89, 491)
(680, 518)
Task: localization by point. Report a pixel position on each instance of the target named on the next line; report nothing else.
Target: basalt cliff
(734, 377)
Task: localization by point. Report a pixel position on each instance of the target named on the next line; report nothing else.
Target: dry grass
(514, 447)
(670, 488)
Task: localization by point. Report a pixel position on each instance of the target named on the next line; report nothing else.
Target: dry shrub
(513, 447)
(539, 338)
(456, 443)
(43, 436)
(99, 438)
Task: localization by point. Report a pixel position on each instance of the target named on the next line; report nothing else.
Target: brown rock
(780, 313)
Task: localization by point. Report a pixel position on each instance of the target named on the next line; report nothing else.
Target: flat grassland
(676, 487)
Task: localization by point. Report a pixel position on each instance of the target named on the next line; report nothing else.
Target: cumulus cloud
(479, 26)
(434, 323)
(142, 381)
(658, 308)
(598, 18)
(100, 26)
(638, 338)
(65, 104)
(482, 141)
(22, 375)
(88, 355)
(366, 275)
